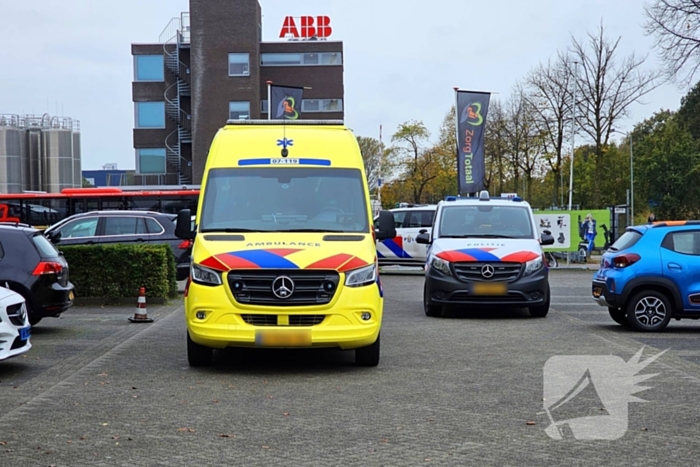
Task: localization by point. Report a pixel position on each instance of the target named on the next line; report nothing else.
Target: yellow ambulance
(284, 252)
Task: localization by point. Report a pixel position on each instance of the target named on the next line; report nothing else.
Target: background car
(183, 261)
(112, 227)
(15, 330)
(31, 266)
(651, 274)
(403, 249)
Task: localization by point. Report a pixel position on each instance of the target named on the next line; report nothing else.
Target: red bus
(43, 209)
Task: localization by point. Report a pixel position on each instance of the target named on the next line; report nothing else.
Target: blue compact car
(651, 274)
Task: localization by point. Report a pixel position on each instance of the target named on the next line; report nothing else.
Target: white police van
(409, 220)
(485, 252)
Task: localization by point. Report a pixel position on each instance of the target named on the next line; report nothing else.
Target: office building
(211, 65)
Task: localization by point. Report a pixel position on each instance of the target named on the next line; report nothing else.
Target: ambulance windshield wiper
(310, 230)
(232, 230)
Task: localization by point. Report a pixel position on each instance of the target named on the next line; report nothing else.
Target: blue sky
(402, 58)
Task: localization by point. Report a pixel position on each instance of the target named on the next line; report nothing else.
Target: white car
(403, 249)
(15, 330)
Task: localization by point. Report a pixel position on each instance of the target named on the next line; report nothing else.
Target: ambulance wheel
(198, 355)
(368, 356)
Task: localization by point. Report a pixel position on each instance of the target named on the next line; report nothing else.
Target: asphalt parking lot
(464, 389)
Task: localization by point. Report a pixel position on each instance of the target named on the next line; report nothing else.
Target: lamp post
(631, 174)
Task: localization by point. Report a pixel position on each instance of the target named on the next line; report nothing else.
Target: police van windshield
(486, 222)
(284, 200)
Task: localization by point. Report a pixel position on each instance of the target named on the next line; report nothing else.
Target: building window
(148, 68)
(239, 110)
(150, 114)
(151, 160)
(263, 106)
(238, 64)
(301, 59)
(322, 105)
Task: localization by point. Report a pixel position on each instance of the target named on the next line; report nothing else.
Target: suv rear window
(45, 247)
(626, 240)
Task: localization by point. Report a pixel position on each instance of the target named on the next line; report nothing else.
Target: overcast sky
(402, 58)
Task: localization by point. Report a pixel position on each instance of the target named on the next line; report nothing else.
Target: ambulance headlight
(362, 276)
(205, 276)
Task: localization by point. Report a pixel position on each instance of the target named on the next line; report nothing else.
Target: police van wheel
(430, 310)
(540, 311)
(198, 355)
(368, 356)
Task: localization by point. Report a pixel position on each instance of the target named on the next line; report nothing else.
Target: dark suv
(108, 227)
(31, 266)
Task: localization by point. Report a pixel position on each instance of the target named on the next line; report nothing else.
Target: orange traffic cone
(141, 315)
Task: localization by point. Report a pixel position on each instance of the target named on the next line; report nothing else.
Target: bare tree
(496, 148)
(605, 89)
(549, 94)
(371, 150)
(675, 26)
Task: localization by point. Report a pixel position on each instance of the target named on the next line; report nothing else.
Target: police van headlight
(441, 265)
(533, 266)
(362, 276)
(205, 276)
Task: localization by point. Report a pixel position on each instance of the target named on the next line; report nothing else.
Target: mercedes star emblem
(488, 271)
(283, 287)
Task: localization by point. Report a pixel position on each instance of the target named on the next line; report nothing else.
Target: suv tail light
(47, 267)
(627, 259)
(185, 244)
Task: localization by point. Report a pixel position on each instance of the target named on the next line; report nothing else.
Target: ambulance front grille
(310, 287)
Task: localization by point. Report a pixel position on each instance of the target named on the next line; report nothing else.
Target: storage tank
(77, 168)
(57, 159)
(11, 149)
(32, 158)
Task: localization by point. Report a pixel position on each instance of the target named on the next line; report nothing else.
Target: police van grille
(310, 287)
(503, 272)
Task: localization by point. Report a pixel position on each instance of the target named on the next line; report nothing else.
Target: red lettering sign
(309, 27)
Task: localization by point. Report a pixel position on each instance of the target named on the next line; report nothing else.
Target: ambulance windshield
(284, 200)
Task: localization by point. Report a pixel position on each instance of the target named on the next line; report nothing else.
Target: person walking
(652, 218)
(590, 231)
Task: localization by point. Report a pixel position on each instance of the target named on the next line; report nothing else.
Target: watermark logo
(598, 388)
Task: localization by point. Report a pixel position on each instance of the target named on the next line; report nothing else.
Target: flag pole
(269, 101)
(379, 175)
(457, 136)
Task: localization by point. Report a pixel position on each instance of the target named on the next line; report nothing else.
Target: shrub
(119, 270)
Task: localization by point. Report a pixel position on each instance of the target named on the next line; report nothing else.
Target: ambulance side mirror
(384, 225)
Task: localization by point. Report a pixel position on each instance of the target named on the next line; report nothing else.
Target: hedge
(120, 270)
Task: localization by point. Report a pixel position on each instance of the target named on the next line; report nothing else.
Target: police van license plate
(25, 333)
(285, 338)
(488, 288)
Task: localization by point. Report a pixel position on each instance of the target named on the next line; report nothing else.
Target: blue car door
(680, 255)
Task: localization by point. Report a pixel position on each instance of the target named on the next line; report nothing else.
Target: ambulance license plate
(285, 338)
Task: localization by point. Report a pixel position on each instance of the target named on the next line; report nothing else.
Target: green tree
(668, 163)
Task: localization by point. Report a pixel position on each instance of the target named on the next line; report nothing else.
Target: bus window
(84, 205)
(143, 203)
(175, 204)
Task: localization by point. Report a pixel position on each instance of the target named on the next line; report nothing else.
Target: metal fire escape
(176, 34)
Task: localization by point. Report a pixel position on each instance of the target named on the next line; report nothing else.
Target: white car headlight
(206, 276)
(533, 265)
(363, 276)
(441, 265)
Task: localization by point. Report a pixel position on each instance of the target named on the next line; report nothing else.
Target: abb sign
(306, 26)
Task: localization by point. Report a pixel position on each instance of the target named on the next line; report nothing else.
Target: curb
(94, 301)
